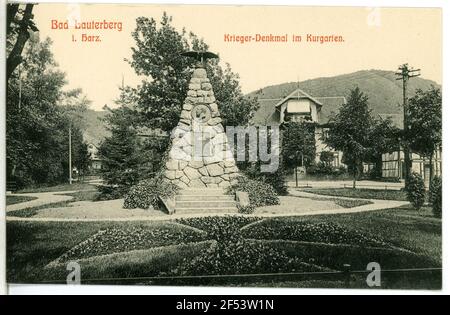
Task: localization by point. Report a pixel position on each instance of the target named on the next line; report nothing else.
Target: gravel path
(112, 210)
(43, 198)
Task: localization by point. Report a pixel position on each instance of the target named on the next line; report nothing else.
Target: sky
(371, 38)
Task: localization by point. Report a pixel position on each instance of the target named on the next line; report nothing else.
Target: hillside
(382, 88)
(95, 130)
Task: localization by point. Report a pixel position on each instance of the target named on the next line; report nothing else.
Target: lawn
(60, 187)
(363, 193)
(396, 238)
(33, 245)
(12, 200)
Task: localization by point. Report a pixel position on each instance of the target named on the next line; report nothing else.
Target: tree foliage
(37, 122)
(121, 154)
(298, 144)
(358, 135)
(415, 191)
(156, 103)
(159, 98)
(435, 196)
(424, 131)
(19, 26)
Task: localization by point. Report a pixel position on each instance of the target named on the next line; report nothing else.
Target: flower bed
(322, 232)
(115, 240)
(220, 228)
(244, 257)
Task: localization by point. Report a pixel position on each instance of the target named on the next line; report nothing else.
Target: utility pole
(70, 154)
(404, 73)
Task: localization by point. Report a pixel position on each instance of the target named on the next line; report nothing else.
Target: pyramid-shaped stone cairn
(200, 155)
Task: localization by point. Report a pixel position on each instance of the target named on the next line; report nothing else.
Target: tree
(350, 131)
(156, 103)
(36, 123)
(121, 155)
(327, 157)
(82, 158)
(19, 25)
(383, 137)
(298, 145)
(424, 130)
(415, 191)
(159, 99)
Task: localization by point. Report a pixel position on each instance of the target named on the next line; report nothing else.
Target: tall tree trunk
(12, 9)
(431, 169)
(355, 173)
(15, 56)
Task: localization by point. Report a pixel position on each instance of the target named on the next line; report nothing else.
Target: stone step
(205, 204)
(203, 197)
(202, 191)
(206, 210)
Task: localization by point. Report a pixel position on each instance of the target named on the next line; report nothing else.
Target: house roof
(297, 94)
(329, 105)
(265, 111)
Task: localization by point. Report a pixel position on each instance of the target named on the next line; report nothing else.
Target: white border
(104, 289)
(3, 287)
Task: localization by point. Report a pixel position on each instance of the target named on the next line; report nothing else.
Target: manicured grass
(125, 267)
(32, 211)
(413, 239)
(12, 200)
(32, 245)
(60, 187)
(363, 193)
(351, 203)
(403, 227)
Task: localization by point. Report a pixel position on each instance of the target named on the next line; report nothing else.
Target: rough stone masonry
(200, 155)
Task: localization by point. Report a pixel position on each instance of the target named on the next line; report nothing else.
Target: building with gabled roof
(300, 106)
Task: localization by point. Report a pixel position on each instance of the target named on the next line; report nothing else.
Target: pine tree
(121, 154)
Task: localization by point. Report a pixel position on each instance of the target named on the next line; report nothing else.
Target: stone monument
(200, 155)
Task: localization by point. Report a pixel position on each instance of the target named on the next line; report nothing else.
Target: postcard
(223, 145)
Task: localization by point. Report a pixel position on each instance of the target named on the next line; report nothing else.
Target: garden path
(111, 210)
(43, 198)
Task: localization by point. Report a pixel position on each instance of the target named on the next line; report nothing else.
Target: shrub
(107, 192)
(276, 179)
(259, 192)
(435, 196)
(249, 209)
(415, 190)
(146, 193)
(322, 169)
